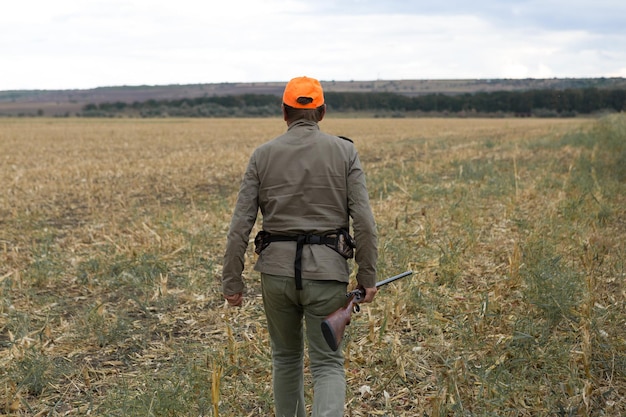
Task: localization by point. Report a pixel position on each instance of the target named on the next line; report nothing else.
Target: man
(308, 185)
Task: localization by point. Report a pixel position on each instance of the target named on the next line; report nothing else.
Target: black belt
(301, 240)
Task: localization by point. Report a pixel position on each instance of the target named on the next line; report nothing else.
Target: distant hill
(70, 102)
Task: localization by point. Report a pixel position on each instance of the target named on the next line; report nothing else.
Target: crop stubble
(112, 233)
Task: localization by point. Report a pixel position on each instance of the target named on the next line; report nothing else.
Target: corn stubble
(112, 233)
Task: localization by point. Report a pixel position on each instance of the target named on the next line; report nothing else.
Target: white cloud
(89, 43)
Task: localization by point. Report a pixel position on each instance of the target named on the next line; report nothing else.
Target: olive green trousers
(290, 314)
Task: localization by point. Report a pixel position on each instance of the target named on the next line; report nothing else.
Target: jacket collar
(303, 123)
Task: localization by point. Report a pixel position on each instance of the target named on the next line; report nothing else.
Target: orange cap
(303, 93)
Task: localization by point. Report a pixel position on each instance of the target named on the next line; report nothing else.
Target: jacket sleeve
(363, 223)
(244, 217)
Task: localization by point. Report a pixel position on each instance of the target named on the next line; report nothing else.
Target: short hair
(313, 115)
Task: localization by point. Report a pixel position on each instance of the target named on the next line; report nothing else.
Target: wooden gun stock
(334, 326)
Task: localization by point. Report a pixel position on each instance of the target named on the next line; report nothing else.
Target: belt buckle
(313, 240)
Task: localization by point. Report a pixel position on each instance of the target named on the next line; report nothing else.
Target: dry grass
(112, 233)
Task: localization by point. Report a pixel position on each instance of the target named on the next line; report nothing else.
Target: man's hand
(234, 300)
(369, 294)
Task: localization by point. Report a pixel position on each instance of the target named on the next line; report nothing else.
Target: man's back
(303, 177)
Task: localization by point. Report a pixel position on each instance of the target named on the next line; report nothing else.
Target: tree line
(537, 103)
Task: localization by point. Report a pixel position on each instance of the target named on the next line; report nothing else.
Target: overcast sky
(66, 44)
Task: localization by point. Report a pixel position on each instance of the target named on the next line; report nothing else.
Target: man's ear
(322, 112)
(282, 106)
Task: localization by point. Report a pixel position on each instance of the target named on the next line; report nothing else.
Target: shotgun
(334, 326)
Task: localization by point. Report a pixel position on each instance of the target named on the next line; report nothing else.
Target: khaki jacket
(303, 182)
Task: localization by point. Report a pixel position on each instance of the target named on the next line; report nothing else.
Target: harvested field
(111, 241)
